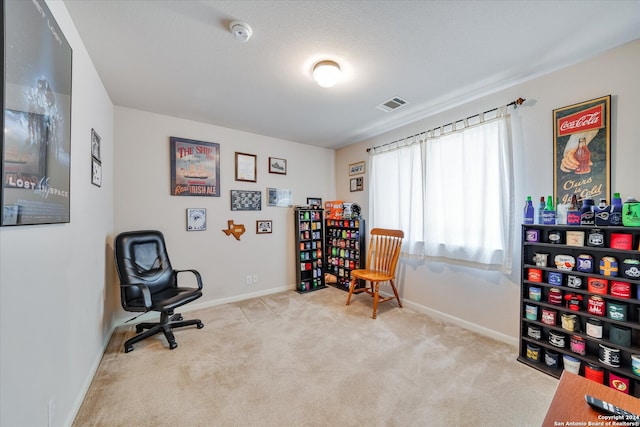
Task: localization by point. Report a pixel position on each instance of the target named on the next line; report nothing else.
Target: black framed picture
(36, 145)
(277, 165)
(243, 200)
(581, 150)
(264, 226)
(195, 168)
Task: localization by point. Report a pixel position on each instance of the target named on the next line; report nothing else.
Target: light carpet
(309, 360)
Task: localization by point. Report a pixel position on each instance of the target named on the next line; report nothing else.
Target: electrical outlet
(248, 279)
(255, 279)
(51, 412)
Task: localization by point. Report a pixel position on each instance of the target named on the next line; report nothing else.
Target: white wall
(143, 200)
(488, 301)
(54, 288)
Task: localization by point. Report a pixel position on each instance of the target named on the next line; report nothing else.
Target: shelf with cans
(345, 250)
(580, 302)
(309, 249)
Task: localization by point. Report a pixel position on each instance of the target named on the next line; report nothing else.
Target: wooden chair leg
(352, 286)
(395, 292)
(375, 298)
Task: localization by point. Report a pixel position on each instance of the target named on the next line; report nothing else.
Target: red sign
(581, 121)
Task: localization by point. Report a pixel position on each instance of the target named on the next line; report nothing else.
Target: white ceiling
(179, 58)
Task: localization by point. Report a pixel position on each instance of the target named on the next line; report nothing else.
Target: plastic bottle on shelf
(549, 214)
(540, 209)
(528, 211)
(615, 218)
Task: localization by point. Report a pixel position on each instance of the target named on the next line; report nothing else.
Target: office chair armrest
(146, 293)
(195, 273)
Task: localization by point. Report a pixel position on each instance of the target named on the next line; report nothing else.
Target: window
(451, 194)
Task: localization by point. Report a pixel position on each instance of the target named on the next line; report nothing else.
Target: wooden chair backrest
(384, 250)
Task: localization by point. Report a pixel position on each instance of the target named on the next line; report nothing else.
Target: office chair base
(165, 326)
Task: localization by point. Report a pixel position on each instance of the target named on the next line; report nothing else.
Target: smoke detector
(240, 30)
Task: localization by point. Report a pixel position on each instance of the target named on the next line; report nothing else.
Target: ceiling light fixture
(326, 73)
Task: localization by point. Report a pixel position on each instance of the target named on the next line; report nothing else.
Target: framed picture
(277, 165)
(264, 226)
(242, 200)
(36, 142)
(314, 202)
(279, 197)
(196, 219)
(356, 184)
(245, 167)
(356, 168)
(96, 172)
(195, 168)
(581, 150)
(95, 145)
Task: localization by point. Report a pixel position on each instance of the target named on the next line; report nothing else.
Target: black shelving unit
(309, 249)
(345, 249)
(539, 332)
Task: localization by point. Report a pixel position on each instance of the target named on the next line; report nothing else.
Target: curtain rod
(515, 103)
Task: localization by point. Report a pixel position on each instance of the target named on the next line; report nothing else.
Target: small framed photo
(356, 168)
(277, 165)
(95, 145)
(96, 172)
(356, 184)
(314, 202)
(246, 167)
(196, 219)
(264, 226)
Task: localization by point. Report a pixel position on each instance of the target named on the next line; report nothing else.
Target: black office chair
(149, 283)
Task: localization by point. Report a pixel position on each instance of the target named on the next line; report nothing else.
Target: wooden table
(569, 408)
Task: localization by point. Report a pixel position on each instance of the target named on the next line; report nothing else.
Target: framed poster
(96, 172)
(36, 144)
(264, 226)
(246, 167)
(195, 168)
(95, 145)
(242, 200)
(356, 168)
(196, 219)
(277, 165)
(279, 197)
(581, 150)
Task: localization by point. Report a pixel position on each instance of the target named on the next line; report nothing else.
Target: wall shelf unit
(571, 306)
(309, 249)
(345, 249)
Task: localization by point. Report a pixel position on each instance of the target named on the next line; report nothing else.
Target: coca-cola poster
(581, 150)
(195, 168)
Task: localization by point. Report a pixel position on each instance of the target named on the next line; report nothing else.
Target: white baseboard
(462, 323)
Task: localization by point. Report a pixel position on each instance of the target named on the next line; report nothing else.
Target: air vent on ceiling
(392, 104)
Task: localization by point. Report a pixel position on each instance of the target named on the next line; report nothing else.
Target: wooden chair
(382, 258)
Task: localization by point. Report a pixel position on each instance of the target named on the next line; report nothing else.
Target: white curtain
(451, 193)
(396, 193)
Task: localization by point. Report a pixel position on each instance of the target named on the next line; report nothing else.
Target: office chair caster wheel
(200, 325)
(128, 348)
(139, 329)
(172, 345)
